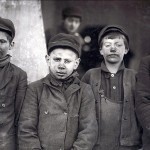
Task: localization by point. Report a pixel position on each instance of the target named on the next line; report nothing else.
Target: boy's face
(4, 44)
(72, 24)
(62, 62)
(113, 50)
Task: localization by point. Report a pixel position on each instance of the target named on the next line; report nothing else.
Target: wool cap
(8, 26)
(65, 40)
(112, 28)
(71, 12)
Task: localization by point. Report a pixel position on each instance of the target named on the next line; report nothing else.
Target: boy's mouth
(60, 73)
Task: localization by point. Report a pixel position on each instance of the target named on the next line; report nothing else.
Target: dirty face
(113, 50)
(62, 62)
(4, 44)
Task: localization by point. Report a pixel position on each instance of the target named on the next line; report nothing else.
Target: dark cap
(71, 12)
(112, 28)
(65, 40)
(8, 26)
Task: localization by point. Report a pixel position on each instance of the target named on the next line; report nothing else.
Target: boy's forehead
(3, 35)
(62, 51)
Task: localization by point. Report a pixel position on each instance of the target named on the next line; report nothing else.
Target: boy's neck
(113, 68)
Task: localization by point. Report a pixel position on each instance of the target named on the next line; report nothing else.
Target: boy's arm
(20, 94)
(143, 95)
(27, 133)
(88, 128)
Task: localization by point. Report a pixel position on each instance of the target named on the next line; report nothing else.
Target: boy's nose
(61, 65)
(113, 48)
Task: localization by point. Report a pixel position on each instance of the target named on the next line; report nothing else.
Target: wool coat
(143, 99)
(130, 132)
(12, 94)
(55, 120)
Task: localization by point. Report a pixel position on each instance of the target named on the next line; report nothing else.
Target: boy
(59, 110)
(143, 99)
(13, 83)
(113, 87)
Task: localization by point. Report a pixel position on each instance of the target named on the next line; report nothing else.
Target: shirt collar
(104, 68)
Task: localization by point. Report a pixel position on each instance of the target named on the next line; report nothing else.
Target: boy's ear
(77, 63)
(47, 58)
(126, 51)
(11, 45)
(100, 50)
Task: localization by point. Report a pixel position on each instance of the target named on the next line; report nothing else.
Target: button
(65, 113)
(114, 87)
(3, 105)
(46, 112)
(124, 118)
(102, 95)
(112, 75)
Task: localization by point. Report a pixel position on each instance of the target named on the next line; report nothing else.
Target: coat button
(46, 112)
(112, 75)
(65, 113)
(3, 105)
(114, 87)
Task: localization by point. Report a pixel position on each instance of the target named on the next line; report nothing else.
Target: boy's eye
(57, 59)
(67, 61)
(107, 45)
(3, 41)
(118, 45)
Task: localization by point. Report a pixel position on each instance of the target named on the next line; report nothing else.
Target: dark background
(134, 16)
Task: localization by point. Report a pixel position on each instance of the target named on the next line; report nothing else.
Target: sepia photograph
(74, 74)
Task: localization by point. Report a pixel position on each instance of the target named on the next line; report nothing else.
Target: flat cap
(8, 26)
(65, 40)
(72, 12)
(112, 28)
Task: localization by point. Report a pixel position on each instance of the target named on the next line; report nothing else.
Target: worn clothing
(12, 92)
(52, 119)
(122, 112)
(143, 99)
(112, 84)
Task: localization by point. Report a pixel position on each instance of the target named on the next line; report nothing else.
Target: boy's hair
(113, 35)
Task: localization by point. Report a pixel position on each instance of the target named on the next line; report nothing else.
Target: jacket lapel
(6, 76)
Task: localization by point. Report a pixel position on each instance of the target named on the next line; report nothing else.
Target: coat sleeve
(20, 94)
(27, 133)
(88, 128)
(143, 95)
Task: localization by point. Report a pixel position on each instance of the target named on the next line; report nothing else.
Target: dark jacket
(143, 99)
(129, 134)
(53, 120)
(11, 99)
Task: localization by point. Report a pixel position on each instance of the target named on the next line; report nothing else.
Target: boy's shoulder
(17, 70)
(131, 71)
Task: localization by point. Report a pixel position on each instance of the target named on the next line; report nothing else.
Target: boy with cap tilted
(59, 110)
(113, 86)
(13, 83)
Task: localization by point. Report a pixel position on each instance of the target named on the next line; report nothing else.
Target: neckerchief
(4, 61)
(65, 82)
